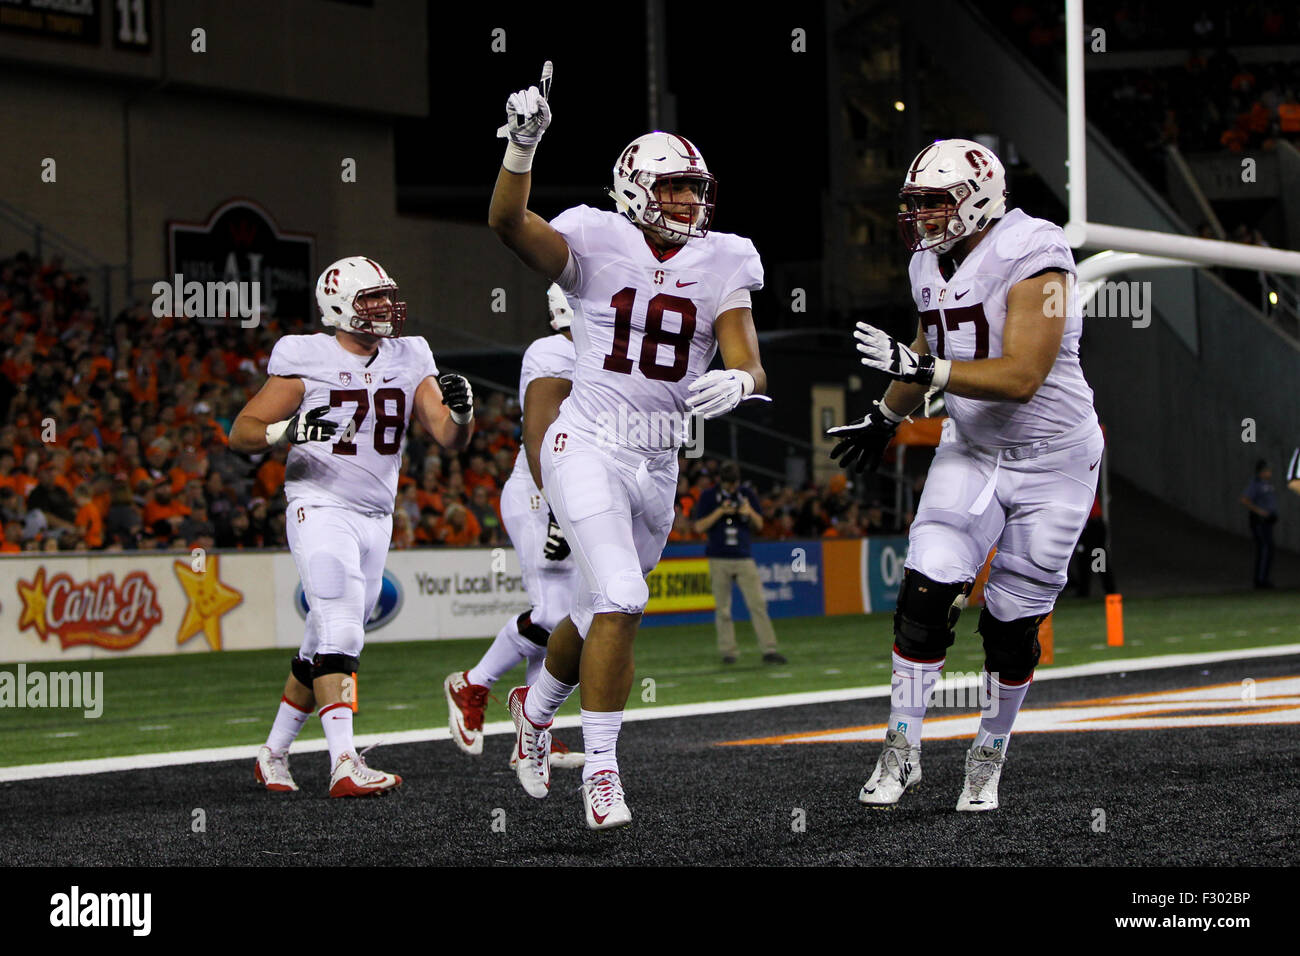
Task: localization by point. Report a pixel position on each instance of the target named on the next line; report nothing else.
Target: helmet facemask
(921, 206)
(384, 320)
(673, 220)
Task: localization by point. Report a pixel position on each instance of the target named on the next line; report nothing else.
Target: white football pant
(1031, 501)
(340, 556)
(615, 507)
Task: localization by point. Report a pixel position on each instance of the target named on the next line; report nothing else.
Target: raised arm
(526, 234)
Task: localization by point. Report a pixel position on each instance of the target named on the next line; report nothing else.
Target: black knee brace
(534, 632)
(323, 664)
(1010, 647)
(924, 620)
(301, 670)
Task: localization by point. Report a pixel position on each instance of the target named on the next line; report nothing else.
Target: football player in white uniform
(655, 295)
(341, 483)
(1016, 465)
(551, 576)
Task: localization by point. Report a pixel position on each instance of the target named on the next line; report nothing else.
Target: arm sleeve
(748, 275)
(284, 359)
(544, 360)
(1043, 249)
(572, 225)
(424, 362)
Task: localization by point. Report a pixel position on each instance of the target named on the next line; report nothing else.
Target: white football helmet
(561, 312)
(343, 282)
(658, 159)
(953, 189)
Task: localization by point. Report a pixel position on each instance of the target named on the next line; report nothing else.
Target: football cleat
(603, 797)
(897, 771)
(532, 748)
(352, 778)
(983, 770)
(561, 757)
(465, 704)
(272, 770)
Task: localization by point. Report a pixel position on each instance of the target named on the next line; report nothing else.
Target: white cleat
(897, 771)
(532, 748)
(983, 770)
(352, 778)
(465, 704)
(272, 770)
(603, 797)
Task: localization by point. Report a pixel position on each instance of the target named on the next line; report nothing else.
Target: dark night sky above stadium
(756, 110)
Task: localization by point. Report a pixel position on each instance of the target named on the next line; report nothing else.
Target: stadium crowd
(113, 438)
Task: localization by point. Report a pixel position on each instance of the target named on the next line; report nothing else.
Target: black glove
(313, 427)
(557, 548)
(862, 443)
(458, 396)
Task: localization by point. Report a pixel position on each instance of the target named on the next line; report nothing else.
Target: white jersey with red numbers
(371, 398)
(551, 356)
(963, 318)
(643, 323)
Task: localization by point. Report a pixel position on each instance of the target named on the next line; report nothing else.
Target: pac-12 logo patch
(345, 378)
(925, 297)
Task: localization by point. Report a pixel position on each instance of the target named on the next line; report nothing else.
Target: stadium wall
(102, 606)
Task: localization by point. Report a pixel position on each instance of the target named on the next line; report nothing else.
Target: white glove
(886, 354)
(719, 391)
(527, 115)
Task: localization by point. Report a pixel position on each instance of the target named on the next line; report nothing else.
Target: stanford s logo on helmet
(953, 189)
(347, 280)
(660, 160)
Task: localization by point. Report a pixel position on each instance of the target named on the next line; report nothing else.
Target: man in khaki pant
(728, 514)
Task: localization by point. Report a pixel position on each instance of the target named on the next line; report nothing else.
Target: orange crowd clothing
(1288, 115)
(465, 536)
(270, 479)
(154, 512)
(91, 524)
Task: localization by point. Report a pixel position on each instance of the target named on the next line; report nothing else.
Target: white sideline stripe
(249, 751)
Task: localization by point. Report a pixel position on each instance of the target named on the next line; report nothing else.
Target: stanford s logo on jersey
(561, 439)
(659, 277)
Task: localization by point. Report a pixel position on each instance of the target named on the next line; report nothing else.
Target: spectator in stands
(52, 500)
(458, 527)
(123, 524)
(728, 514)
(1260, 500)
(488, 519)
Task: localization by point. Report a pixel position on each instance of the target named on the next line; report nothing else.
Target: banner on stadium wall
(113, 605)
(102, 606)
(425, 595)
(799, 579)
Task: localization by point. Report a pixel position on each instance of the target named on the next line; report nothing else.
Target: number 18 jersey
(643, 323)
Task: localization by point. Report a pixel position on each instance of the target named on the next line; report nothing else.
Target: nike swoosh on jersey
(683, 285)
(960, 294)
(390, 379)
(1094, 464)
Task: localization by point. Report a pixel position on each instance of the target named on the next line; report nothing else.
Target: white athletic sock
(545, 697)
(289, 721)
(600, 741)
(1004, 702)
(336, 719)
(501, 657)
(536, 657)
(909, 692)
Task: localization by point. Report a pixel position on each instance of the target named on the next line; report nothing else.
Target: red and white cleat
(532, 748)
(352, 778)
(603, 797)
(272, 770)
(465, 704)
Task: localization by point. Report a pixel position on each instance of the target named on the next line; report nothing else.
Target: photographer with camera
(728, 514)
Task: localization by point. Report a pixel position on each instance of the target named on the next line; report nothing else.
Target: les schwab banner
(113, 605)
